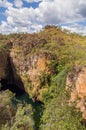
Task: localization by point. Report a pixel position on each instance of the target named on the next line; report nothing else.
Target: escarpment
(76, 83)
(50, 68)
(23, 67)
(30, 68)
(48, 71)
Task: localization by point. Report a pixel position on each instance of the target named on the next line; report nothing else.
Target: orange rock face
(30, 68)
(27, 64)
(77, 84)
(81, 84)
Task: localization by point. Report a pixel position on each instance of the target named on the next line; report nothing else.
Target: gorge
(44, 74)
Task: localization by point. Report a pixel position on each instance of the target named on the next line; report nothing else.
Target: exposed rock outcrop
(76, 82)
(30, 68)
(3, 64)
(22, 66)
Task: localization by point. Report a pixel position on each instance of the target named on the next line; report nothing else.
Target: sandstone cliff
(26, 58)
(76, 83)
(21, 66)
(50, 66)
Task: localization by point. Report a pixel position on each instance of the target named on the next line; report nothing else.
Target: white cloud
(59, 11)
(4, 28)
(20, 17)
(56, 12)
(5, 3)
(20, 20)
(18, 3)
(77, 28)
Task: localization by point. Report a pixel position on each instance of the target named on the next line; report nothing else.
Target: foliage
(58, 115)
(68, 49)
(12, 118)
(23, 119)
(7, 111)
(56, 86)
(54, 66)
(44, 79)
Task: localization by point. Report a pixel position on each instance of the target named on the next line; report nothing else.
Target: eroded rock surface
(23, 64)
(3, 64)
(30, 68)
(76, 82)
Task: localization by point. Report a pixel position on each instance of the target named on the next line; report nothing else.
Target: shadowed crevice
(12, 87)
(12, 81)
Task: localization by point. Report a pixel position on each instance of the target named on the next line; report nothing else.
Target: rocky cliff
(33, 62)
(21, 66)
(76, 83)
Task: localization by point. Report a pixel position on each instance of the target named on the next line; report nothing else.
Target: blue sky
(32, 15)
(2, 17)
(34, 4)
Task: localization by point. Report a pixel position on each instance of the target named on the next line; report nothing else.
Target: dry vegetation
(68, 49)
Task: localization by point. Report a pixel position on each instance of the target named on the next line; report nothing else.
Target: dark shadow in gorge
(12, 87)
(14, 83)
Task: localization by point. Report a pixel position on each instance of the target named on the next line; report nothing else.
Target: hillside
(48, 67)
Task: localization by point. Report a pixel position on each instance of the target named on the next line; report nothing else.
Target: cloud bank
(20, 18)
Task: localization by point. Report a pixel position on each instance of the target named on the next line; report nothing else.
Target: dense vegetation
(68, 49)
